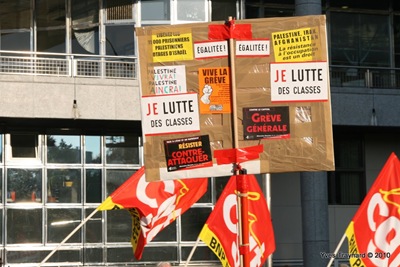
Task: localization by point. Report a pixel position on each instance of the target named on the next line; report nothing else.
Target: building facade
(70, 129)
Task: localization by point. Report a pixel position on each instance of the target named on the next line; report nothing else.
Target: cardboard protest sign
(280, 77)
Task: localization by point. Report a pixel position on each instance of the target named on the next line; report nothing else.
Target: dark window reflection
(122, 149)
(93, 185)
(63, 149)
(192, 222)
(64, 185)
(120, 40)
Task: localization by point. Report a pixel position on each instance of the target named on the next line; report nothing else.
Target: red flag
(221, 233)
(153, 205)
(374, 233)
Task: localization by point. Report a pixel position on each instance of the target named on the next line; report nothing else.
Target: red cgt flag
(153, 205)
(220, 232)
(374, 232)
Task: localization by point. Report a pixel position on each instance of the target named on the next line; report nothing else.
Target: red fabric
(374, 232)
(154, 205)
(221, 230)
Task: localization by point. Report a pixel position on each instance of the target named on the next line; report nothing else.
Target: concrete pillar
(314, 188)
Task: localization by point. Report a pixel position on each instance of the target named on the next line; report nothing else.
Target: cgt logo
(383, 220)
(256, 248)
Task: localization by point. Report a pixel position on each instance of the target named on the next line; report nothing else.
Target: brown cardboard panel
(282, 95)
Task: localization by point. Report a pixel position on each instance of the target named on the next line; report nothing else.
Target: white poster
(169, 114)
(252, 48)
(210, 49)
(169, 80)
(299, 82)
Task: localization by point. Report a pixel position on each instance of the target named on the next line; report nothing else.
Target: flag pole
(336, 250)
(192, 252)
(241, 178)
(69, 236)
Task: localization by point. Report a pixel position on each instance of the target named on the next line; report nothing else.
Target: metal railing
(369, 77)
(53, 64)
(27, 63)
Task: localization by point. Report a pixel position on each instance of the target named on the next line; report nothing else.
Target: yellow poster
(296, 45)
(214, 90)
(172, 46)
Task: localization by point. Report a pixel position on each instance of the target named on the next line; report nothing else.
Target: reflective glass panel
(122, 149)
(360, 39)
(192, 222)
(61, 222)
(155, 9)
(92, 149)
(120, 40)
(93, 227)
(225, 9)
(85, 30)
(51, 40)
(191, 10)
(93, 255)
(115, 178)
(15, 14)
(24, 145)
(93, 185)
(119, 226)
(50, 13)
(64, 185)
(24, 226)
(16, 41)
(63, 149)
(24, 185)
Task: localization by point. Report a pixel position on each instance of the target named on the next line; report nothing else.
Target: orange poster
(214, 90)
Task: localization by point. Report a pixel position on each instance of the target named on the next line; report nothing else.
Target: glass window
(15, 21)
(16, 41)
(347, 182)
(120, 40)
(119, 226)
(93, 227)
(92, 149)
(51, 40)
(63, 149)
(15, 14)
(50, 13)
(155, 9)
(24, 226)
(222, 9)
(192, 221)
(85, 30)
(24, 145)
(24, 185)
(360, 39)
(93, 255)
(122, 149)
(61, 222)
(396, 36)
(115, 178)
(191, 10)
(64, 185)
(93, 186)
